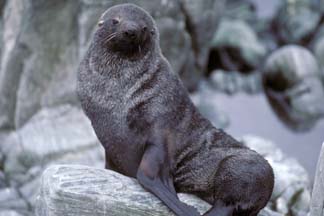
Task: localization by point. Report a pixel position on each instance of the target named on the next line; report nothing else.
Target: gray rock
(296, 20)
(241, 10)
(206, 101)
(11, 61)
(79, 190)
(319, 54)
(2, 180)
(11, 199)
(202, 19)
(232, 82)
(9, 213)
(38, 53)
(292, 82)
(237, 47)
(29, 189)
(54, 135)
(317, 202)
(291, 193)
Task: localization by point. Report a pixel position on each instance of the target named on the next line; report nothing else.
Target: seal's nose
(131, 33)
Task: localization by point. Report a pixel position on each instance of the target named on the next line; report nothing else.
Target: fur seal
(150, 129)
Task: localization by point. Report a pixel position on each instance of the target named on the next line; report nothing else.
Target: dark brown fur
(150, 129)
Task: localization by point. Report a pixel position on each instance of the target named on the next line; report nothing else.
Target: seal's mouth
(130, 42)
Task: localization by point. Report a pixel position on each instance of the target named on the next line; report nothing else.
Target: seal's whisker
(109, 36)
(112, 36)
(140, 49)
(109, 39)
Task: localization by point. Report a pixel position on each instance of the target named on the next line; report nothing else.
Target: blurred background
(253, 67)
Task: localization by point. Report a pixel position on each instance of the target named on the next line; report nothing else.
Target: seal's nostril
(130, 34)
(144, 28)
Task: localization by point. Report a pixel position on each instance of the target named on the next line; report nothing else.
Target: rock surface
(293, 85)
(296, 20)
(291, 195)
(82, 191)
(317, 202)
(208, 106)
(232, 82)
(236, 47)
(9, 213)
(319, 53)
(54, 135)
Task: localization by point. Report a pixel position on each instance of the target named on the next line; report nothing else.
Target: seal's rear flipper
(219, 209)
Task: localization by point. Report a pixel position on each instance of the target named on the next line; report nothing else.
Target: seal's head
(127, 30)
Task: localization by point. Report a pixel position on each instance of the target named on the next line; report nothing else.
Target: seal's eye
(115, 21)
(100, 23)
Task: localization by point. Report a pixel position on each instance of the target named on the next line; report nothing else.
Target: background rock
(208, 107)
(319, 53)
(292, 82)
(54, 135)
(236, 47)
(296, 20)
(9, 213)
(317, 203)
(291, 195)
(232, 82)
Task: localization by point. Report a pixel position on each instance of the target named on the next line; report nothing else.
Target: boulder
(49, 136)
(293, 85)
(9, 213)
(242, 10)
(11, 199)
(2, 180)
(232, 82)
(236, 47)
(54, 135)
(317, 202)
(81, 191)
(296, 21)
(319, 54)
(204, 100)
(291, 195)
(40, 52)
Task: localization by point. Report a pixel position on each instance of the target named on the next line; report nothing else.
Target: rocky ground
(41, 123)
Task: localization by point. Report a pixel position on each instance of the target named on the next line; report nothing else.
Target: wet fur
(136, 101)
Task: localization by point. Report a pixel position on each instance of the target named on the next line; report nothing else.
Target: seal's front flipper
(109, 164)
(153, 174)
